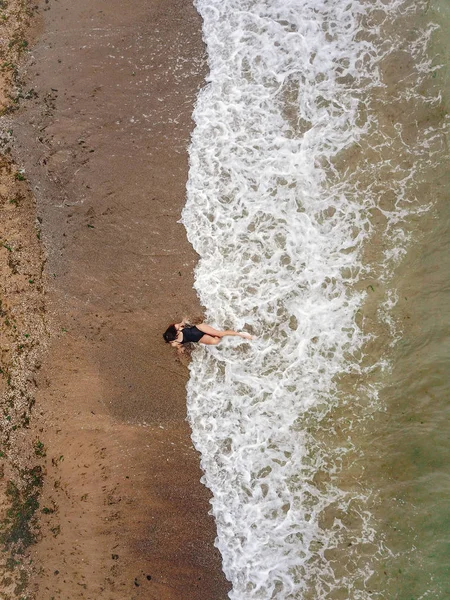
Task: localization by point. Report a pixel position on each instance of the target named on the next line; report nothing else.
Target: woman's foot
(247, 336)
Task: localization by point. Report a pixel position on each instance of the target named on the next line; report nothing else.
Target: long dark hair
(171, 334)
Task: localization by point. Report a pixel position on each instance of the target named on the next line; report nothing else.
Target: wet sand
(104, 146)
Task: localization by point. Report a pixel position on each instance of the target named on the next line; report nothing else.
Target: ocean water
(318, 202)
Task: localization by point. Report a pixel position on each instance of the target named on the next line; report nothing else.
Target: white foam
(279, 234)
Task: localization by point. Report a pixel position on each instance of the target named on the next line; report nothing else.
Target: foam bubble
(280, 229)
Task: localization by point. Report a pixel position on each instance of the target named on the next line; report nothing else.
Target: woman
(182, 333)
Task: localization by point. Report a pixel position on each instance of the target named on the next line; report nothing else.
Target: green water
(410, 448)
(409, 440)
(391, 425)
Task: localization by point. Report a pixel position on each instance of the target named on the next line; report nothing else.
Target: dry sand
(104, 145)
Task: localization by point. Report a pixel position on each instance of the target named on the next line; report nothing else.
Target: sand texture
(23, 328)
(103, 141)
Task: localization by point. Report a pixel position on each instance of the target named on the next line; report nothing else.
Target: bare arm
(179, 346)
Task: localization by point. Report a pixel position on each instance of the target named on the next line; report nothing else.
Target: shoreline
(103, 141)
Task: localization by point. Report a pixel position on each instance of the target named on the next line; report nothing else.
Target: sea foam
(280, 229)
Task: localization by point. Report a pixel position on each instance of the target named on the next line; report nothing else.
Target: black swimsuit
(191, 334)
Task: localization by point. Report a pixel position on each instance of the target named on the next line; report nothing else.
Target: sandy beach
(102, 135)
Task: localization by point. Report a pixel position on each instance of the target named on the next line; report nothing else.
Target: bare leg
(209, 340)
(220, 334)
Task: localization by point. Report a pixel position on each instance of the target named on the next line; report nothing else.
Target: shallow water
(317, 203)
(410, 448)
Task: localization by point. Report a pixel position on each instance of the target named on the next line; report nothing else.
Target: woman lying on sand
(181, 333)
